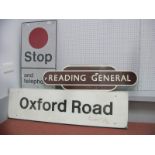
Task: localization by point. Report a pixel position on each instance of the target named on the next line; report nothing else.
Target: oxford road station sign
(79, 107)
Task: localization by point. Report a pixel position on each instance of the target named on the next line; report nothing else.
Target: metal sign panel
(79, 107)
(38, 51)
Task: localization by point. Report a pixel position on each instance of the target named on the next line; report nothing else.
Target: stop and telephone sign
(38, 52)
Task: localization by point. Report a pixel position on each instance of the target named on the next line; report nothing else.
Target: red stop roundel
(38, 37)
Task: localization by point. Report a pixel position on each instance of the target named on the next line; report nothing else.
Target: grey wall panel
(147, 56)
(3, 109)
(142, 112)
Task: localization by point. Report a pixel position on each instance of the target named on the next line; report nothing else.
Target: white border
(59, 9)
(91, 145)
(109, 145)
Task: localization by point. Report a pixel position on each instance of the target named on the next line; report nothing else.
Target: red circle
(38, 37)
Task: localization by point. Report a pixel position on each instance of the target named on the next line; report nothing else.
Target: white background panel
(99, 42)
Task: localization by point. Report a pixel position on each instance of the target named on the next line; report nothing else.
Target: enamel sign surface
(38, 52)
(79, 107)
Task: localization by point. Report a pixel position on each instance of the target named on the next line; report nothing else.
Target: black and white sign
(79, 107)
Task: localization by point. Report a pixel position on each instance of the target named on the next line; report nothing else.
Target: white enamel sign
(38, 52)
(79, 107)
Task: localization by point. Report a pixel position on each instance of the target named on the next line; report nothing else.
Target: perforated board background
(123, 44)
